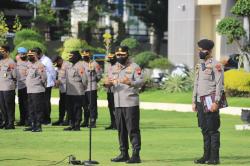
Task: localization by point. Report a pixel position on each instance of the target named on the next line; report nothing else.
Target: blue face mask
(203, 55)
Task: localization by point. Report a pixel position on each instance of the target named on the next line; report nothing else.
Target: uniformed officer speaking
(126, 81)
(208, 80)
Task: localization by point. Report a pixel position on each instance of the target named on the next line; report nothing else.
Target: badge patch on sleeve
(218, 67)
(138, 71)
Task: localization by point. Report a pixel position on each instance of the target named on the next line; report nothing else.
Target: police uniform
(126, 98)
(94, 74)
(208, 80)
(36, 83)
(62, 88)
(7, 92)
(76, 83)
(110, 94)
(22, 67)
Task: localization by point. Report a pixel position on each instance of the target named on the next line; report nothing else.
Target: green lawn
(168, 139)
(183, 98)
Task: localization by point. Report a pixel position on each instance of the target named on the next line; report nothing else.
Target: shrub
(131, 43)
(237, 82)
(72, 44)
(27, 34)
(161, 63)
(143, 58)
(28, 44)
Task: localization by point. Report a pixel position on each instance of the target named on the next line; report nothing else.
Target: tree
(17, 26)
(45, 17)
(155, 15)
(233, 29)
(3, 29)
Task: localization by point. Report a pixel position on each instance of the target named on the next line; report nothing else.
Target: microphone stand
(90, 161)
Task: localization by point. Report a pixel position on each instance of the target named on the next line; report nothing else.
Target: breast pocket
(76, 77)
(208, 74)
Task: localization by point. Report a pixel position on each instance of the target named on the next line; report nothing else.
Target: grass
(182, 98)
(168, 139)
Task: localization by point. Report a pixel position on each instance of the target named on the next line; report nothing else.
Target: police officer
(209, 79)
(62, 66)
(76, 83)
(94, 74)
(22, 67)
(126, 81)
(110, 95)
(7, 88)
(36, 84)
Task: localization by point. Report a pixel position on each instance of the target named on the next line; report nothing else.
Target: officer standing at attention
(36, 83)
(7, 88)
(126, 81)
(76, 84)
(22, 67)
(209, 79)
(110, 95)
(62, 66)
(94, 74)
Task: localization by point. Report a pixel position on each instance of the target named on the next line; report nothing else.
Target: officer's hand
(57, 83)
(214, 107)
(126, 81)
(194, 107)
(108, 82)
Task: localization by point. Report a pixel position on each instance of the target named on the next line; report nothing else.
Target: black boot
(58, 123)
(92, 123)
(77, 126)
(85, 124)
(123, 157)
(215, 159)
(38, 127)
(206, 155)
(30, 128)
(135, 157)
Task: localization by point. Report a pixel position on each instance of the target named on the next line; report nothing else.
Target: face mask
(86, 58)
(203, 55)
(24, 58)
(122, 60)
(31, 58)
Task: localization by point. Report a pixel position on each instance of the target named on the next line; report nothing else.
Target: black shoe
(28, 129)
(70, 128)
(9, 127)
(2, 126)
(111, 127)
(202, 160)
(84, 124)
(65, 123)
(77, 128)
(213, 162)
(123, 157)
(57, 123)
(135, 158)
(20, 123)
(38, 129)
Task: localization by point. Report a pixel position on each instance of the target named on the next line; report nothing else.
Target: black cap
(206, 44)
(55, 58)
(121, 50)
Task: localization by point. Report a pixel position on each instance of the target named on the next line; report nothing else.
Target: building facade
(192, 20)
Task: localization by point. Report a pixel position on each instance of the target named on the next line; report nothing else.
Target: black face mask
(122, 60)
(31, 59)
(24, 58)
(203, 55)
(86, 58)
(74, 59)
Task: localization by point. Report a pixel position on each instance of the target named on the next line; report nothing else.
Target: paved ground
(167, 107)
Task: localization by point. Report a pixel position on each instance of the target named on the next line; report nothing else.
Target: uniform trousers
(127, 120)
(7, 106)
(23, 105)
(36, 102)
(209, 123)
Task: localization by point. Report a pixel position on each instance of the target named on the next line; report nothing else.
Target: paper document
(209, 102)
